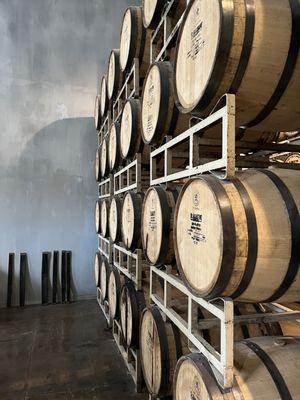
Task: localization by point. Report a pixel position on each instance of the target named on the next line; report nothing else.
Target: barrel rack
(224, 167)
(130, 178)
(129, 89)
(169, 33)
(106, 188)
(130, 264)
(223, 310)
(105, 244)
(106, 192)
(103, 304)
(130, 356)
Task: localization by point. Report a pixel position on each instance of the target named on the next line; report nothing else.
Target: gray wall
(51, 56)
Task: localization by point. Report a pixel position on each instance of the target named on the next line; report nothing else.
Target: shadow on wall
(47, 202)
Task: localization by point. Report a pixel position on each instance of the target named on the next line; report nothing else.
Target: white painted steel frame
(126, 173)
(130, 356)
(106, 188)
(227, 117)
(104, 307)
(133, 76)
(104, 128)
(133, 265)
(221, 361)
(105, 247)
(168, 33)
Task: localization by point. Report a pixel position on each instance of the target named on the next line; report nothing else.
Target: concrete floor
(60, 352)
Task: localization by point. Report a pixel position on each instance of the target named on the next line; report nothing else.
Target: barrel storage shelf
(164, 19)
(171, 121)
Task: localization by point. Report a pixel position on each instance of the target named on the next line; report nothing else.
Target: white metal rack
(131, 177)
(130, 264)
(129, 89)
(223, 167)
(169, 33)
(105, 247)
(104, 307)
(104, 128)
(130, 356)
(227, 117)
(223, 311)
(106, 188)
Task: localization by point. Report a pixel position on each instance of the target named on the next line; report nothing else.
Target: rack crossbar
(222, 361)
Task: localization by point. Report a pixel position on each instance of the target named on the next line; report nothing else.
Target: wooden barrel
(160, 347)
(97, 166)
(103, 97)
(132, 302)
(104, 158)
(153, 9)
(224, 47)
(98, 216)
(135, 41)
(265, 368)
(130, 133)
(104, 277)
(160, 116)
(131, 220)
(240, 238)
(104, 213)
(114, 221)
(157, 225)
(241, 331)
(115, 283)
(97, 263)
(114, 156)
(97, 113)
(114, 75)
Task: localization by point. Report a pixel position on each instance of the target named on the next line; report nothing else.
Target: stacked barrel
(237, 238)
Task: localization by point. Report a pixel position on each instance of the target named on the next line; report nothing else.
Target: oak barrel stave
(97, 263)
(131, 220)
(115, 219)
(104, 277)
(114, 74)
(132, 303)
(114, 154)
(135, 41)
(115, 284)
(157, 224)
(160, 116)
